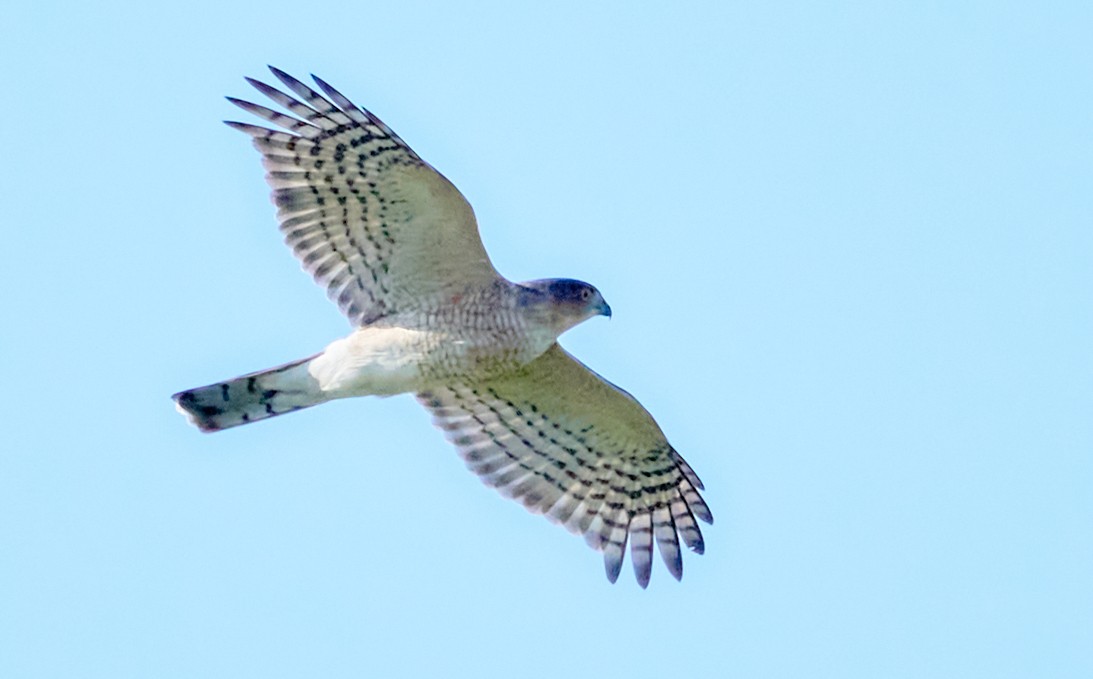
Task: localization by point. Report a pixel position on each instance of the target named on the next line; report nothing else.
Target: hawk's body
(397, 247)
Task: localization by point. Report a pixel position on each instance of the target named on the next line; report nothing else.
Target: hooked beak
(605, 310)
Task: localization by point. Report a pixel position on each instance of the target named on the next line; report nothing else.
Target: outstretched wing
(372, 222)
(568, 444)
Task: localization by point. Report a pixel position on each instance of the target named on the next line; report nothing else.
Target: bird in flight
(397, 248)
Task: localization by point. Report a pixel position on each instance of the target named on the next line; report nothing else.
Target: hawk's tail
(250, 398)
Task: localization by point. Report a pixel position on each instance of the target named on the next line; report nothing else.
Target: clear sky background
(849, 251)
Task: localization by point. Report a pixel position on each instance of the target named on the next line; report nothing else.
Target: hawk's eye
(585, 294)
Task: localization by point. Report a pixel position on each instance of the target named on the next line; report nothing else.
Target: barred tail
(250, 398)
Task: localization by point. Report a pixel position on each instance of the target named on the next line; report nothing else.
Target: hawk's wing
(371, 221)
(566, 443)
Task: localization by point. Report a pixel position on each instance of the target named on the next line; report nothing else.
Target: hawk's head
(566, 302)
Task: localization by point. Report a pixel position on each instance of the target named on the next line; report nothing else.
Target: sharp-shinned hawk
(397, 248)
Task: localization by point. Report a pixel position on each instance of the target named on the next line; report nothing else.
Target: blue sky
(848, 249)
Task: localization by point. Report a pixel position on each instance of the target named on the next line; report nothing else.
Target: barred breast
(472, 337)
(477, 336)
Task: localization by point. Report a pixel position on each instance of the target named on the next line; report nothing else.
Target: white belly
(383, 361)
(376, 361)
